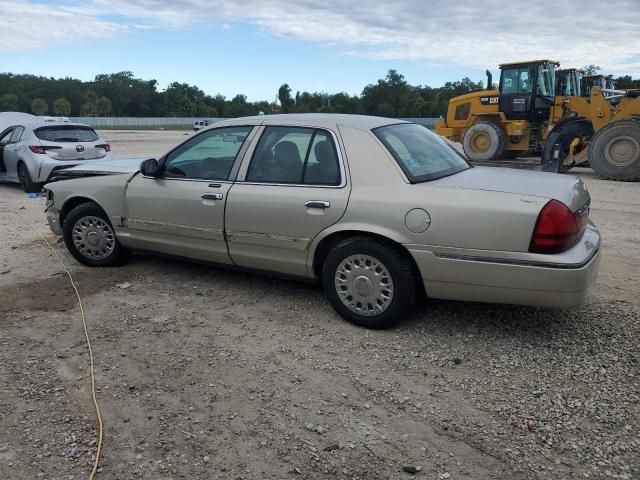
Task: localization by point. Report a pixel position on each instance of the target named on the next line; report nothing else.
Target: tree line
(121, 94)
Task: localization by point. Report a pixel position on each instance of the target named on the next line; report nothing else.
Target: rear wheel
(484, 141)
(24, 178)
(614, 152)
(90, 238)
(369, 282)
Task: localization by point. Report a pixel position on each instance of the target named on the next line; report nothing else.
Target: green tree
(88, 109)
(183, 99)
(39, 106)
(626, 82)
(61, 106)
(389, 97)
(103, 106)
(284, 95)
(417, 107)
(8, 102)
(591, 69)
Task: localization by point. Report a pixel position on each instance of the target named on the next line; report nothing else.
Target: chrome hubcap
(93, 238)
(364, 285)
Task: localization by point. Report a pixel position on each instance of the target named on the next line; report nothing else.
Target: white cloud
(28, 26)
(467, 33)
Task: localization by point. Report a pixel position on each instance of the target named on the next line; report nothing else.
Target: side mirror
(149, 168)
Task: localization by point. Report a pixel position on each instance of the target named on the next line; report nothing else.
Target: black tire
(78, 237)
(26, 183)
(484, 141)
(563, 136)
(392, 261)
(614, 152)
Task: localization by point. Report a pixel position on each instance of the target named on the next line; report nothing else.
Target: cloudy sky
(253, 46)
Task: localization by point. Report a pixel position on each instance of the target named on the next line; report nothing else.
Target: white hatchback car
(32, 152)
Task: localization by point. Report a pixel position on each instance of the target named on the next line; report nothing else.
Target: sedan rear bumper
(513, 281)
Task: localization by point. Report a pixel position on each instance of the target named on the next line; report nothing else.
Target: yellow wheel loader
(524, 116)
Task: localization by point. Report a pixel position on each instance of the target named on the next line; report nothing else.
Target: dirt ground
(207, 373)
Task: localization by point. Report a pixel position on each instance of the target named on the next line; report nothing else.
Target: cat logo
(489, 100)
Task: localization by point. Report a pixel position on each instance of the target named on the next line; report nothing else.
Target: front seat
(287, 163)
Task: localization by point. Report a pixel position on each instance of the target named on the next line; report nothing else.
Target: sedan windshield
(422, 155)
(66, 133)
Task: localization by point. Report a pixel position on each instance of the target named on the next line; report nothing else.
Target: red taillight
(106, 146)
(37, 149)
(558, 228)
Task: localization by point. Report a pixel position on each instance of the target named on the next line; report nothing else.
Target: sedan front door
(294, 187)
(182, 211)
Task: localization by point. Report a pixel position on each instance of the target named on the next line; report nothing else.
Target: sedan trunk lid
(568, 189)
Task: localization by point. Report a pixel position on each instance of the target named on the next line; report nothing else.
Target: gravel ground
(207, 373)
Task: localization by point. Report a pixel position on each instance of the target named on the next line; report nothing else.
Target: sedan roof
(364, 122)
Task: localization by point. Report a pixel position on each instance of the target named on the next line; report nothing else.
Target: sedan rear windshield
(421, 154)
(66, 133)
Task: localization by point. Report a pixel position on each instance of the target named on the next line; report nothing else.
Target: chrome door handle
(212, 196)
(317, 204)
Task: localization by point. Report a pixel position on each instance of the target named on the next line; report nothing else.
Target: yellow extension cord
(93, 376)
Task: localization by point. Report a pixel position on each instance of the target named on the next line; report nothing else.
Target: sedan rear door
(294, 187)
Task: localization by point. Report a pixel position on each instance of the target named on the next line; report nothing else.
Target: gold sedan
(378, 211)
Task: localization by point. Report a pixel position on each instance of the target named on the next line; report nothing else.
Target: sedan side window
(295, 155)
(207, 156)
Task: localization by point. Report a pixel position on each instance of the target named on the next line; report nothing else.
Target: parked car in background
(33, 151)
(378, 211)
(200, 124)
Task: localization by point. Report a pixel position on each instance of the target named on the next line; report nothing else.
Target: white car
(199, 124)
(33, 151)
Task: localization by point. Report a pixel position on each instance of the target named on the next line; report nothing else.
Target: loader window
(546, 81)
(516, 80)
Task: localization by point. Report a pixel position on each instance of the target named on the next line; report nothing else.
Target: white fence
(139, 121)
(132, 122)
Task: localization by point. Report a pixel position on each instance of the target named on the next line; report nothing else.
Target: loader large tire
(484, 141)
(562, 136)
(614, 152)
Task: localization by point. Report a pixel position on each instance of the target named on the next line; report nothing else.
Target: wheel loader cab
(527, 90)
(590, 81)
(569, 82)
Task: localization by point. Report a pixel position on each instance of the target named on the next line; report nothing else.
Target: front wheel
(370, 283)
(90, 238)
(614, 152)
